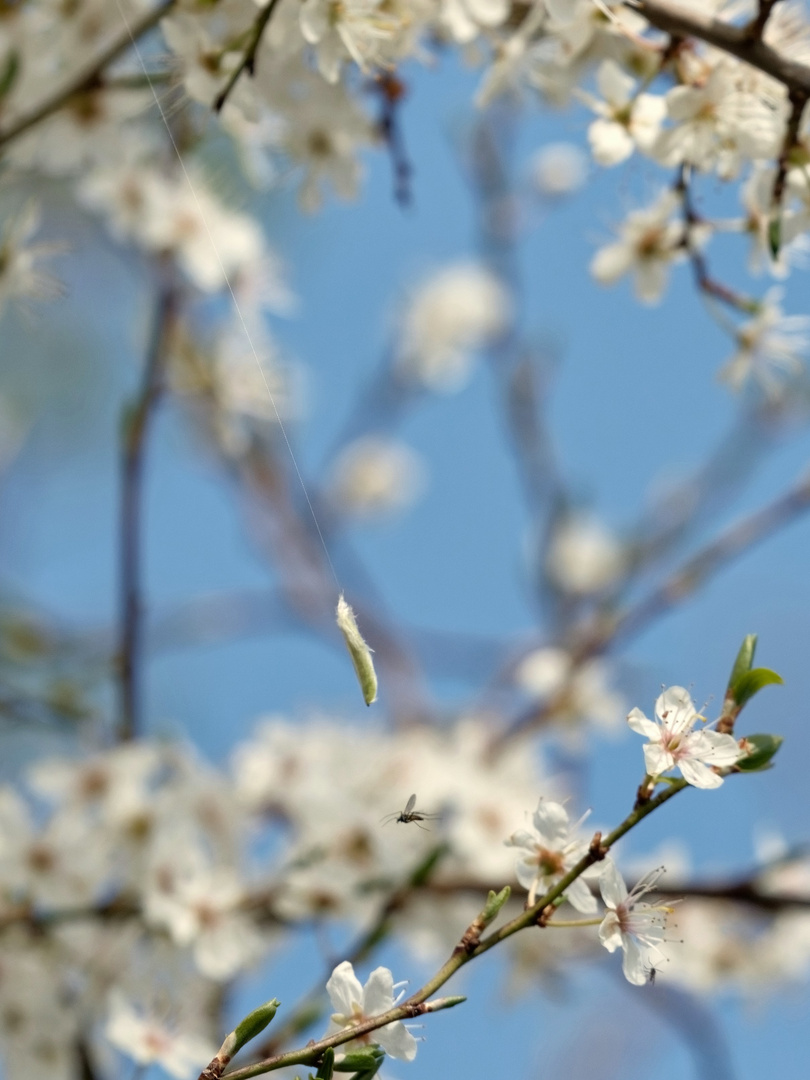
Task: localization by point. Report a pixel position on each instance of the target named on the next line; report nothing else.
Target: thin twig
(798, 101)
(248, 61)
(88, 78)
(391, 92)
(703, 279)
(136, 426)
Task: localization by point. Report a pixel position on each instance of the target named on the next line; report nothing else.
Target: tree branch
(735, 40)
(136, 426)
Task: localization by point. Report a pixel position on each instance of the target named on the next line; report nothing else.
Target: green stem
(555, 924)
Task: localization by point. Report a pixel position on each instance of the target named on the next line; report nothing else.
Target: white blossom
(583, 556)
(626, 119)
(558, 169)
(354, 1003)
(21, 273)
(769, 349)
(632, 925)
(673, 744)
(649, 241)
(547, 852)
(580, 691)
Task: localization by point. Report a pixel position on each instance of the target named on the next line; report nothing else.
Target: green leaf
(327, 1066)
(752, 682)
(775, 236)
(745, 658)
(362, 1061)
(8, 76)
(761, 748)
(495, 902)
(254, 1023)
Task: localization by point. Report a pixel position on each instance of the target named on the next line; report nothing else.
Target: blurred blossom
(559, 169)
(21, 275)
(582, 691)
(583, 556)
(149, 1042)
(374, 475)
(458, 311)
(649, 241)
(769, 349)
(546, 853)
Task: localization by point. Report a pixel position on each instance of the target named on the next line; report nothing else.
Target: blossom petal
(397, 1041)
(344, 989)
(699, 775)
(610, 933)
(551, 821)
(657, 760)
(378, 995)
(612, 886)
(641, 725)
(580, 897)
(634, 964)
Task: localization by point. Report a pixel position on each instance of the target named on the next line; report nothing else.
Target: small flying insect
(651, 972)
(409, 815)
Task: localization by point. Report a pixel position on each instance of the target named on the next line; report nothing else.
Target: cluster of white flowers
(142, 867)
(284, 79)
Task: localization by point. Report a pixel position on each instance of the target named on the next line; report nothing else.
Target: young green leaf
(742, 665)
(761, 748)
(752, 682)
(327, 1066)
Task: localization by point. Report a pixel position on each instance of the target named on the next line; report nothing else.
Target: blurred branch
(707, 284)
(606, 630)
(714, 556)
(391, 92)
(88, 78)
(516, 363)
(756, 28)
(136, 425)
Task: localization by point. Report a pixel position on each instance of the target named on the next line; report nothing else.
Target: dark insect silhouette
(409, 814)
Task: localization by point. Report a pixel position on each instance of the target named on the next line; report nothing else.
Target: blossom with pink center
(674, 745)
(547, 852)
(637, 928)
